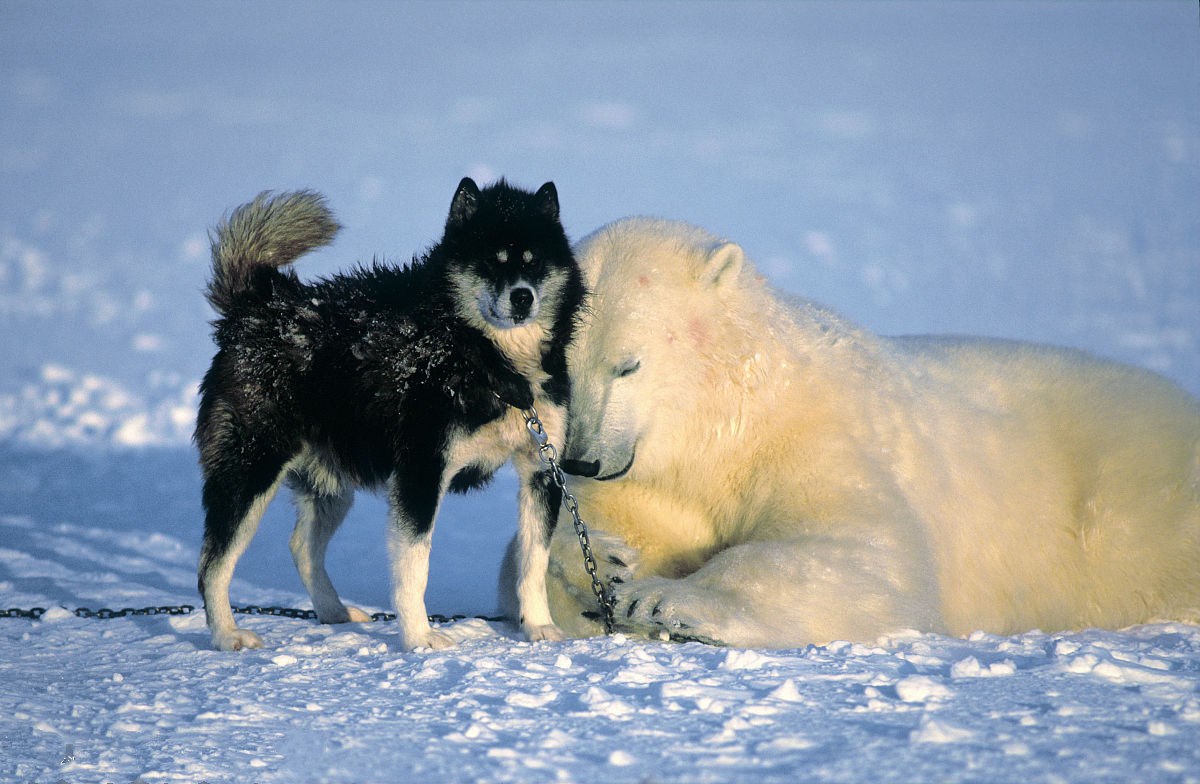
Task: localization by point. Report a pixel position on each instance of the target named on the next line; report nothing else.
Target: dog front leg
(410, 574)
(410, 537)
(538, 506)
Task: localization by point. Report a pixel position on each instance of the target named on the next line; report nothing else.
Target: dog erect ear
(466, 202)
(723, 264)
(546, 200)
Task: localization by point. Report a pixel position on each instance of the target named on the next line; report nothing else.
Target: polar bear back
(1061, 490)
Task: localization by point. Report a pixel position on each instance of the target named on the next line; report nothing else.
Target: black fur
(549, 496)
(374, 374)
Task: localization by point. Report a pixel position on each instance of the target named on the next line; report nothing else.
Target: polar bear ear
(723, 264)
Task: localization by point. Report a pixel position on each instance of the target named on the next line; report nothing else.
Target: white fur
(318, 517)
(226, 636)
(796, 479)
(509, 437)
(487, 311)
(533, 556)
(410, 574)
(496, 307)
(490, 446)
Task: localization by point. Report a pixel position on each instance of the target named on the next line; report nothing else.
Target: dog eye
(627, 368)
(527, 257)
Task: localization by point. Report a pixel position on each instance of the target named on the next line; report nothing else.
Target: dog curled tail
(270, 232)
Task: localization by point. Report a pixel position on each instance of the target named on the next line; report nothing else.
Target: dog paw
(547, 633)
(340, 614)
(356, 615)
(438, 640)
(662, 608)
(434, 640)
(236, 640)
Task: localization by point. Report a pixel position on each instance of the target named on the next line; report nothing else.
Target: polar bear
(760, 472)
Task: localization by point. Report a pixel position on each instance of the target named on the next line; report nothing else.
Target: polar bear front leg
(788, 593)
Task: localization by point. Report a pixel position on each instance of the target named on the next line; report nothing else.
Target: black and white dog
(406, 377)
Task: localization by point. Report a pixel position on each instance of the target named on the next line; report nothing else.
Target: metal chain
(549, 456)
(105, 613)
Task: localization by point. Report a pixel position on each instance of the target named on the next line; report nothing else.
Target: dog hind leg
(320, 509)
(233, 511)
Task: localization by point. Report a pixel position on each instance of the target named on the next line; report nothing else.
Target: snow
(1027, 170)
(146, 698)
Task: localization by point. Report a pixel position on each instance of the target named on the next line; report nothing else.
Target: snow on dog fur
(765, 473)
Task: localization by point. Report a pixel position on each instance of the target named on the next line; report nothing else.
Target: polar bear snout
(588, 469)
(601, 440)
(598, 470)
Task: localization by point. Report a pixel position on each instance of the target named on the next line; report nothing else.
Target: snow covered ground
(1023, 170)
(145, 698)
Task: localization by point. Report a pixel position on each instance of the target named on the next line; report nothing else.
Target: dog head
(507, 254)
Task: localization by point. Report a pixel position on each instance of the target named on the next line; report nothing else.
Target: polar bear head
(653, 357)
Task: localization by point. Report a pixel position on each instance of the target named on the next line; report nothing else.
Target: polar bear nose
(585, 468)
(520, 300)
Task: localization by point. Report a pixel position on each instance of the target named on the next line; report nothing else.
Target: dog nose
(584, 468)
(521, 301)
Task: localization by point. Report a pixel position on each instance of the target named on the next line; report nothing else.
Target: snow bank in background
(63, 407)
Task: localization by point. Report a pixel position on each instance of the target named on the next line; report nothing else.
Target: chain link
(549, 456)
(15, 612)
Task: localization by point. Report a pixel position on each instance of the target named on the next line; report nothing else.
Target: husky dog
(409, 378)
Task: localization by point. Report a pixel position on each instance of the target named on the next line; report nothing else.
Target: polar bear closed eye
(760, 472)
(618, 403)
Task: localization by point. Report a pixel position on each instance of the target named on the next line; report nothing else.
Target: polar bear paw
(662, 608)
(616, 560)
(616, 564)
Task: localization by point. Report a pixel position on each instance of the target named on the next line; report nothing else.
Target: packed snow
(1021, 170)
